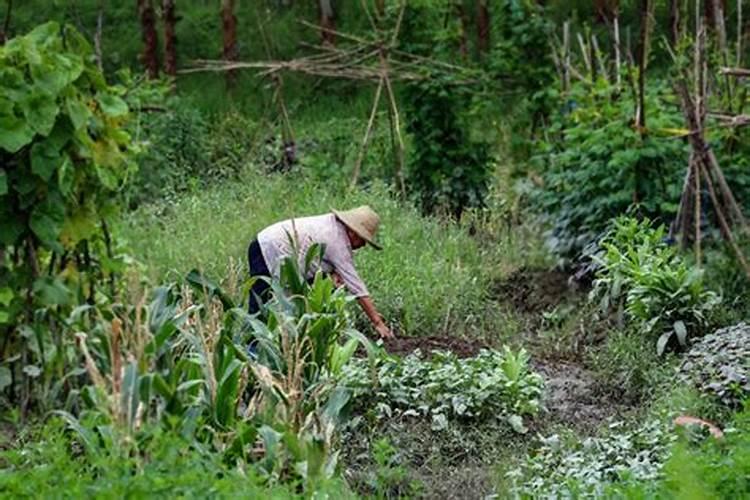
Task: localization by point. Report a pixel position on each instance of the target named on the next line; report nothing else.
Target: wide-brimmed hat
(363, 221)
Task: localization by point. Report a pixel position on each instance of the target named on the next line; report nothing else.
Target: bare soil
(463, 348)
(531, 291)
(574, 397)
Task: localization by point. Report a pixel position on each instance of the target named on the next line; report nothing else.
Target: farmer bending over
(339, 232)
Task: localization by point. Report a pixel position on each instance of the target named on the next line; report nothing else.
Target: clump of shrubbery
(719, 364)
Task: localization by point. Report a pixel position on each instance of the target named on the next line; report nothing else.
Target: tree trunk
(149, 57)
(6, 24)
(606, 10)
(327, 22)
(170, 39)
(380, 7)
(463, 41)
(483, 26)
(229, 31)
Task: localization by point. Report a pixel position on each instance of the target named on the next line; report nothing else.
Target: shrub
(719, 364)
(630, 366)
(594, 161)
(492, 385)
(661, 293)
(448, 170)
(186, 149)
(65, 151)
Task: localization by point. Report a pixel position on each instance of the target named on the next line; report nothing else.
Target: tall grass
(432, 277)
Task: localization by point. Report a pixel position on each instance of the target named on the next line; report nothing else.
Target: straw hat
(363, 221)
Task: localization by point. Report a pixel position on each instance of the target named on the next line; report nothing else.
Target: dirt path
(574, 398)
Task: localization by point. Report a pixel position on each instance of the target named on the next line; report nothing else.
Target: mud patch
(462, 348)
(534, 290)
(573, 396)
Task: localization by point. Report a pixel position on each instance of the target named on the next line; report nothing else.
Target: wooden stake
(366, 138)
(697, 208)
(617, 50)
(725, 229)
(566, 56)
(397, 127)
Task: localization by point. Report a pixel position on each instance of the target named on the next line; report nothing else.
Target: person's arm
(368, 306)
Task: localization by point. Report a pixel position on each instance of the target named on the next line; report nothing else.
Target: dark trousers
(259, 269)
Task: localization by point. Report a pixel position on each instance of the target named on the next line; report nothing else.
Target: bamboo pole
(368, 133)
(725, 229)
(697, 208)
(400, 151)
(616, 22)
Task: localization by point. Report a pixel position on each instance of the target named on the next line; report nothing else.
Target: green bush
(65, 151)
(630, 366)
(594, 161)
(662, 294)
(719, 364)
(186, 149)
(447, 169)
(491, 385)
(47, 465)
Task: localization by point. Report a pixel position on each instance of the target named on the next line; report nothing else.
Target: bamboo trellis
(376, 60)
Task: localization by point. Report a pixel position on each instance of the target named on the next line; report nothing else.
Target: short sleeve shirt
(276, 245)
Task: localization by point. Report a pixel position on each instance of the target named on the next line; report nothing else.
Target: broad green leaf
(65, 176)
(77, 111)
(661, 344)
(111, 105)
(15, 133)
(681, 331)
(41, 113)
(45, 158)
(47, 221)
(51, 291)
(79, 225)
(6, 296)
(3, 182)
(54, 71)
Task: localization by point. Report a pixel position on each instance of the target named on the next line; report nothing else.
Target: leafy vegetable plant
(444, 388)
(658, 290)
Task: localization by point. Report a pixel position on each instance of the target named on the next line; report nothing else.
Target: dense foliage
(658, 290)
(65, 151)
(583, 469)
(719, 364)
(595, 164)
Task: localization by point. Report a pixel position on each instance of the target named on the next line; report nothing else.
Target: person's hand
(384, 331)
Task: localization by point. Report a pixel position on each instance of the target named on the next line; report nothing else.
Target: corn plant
(299, 353)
